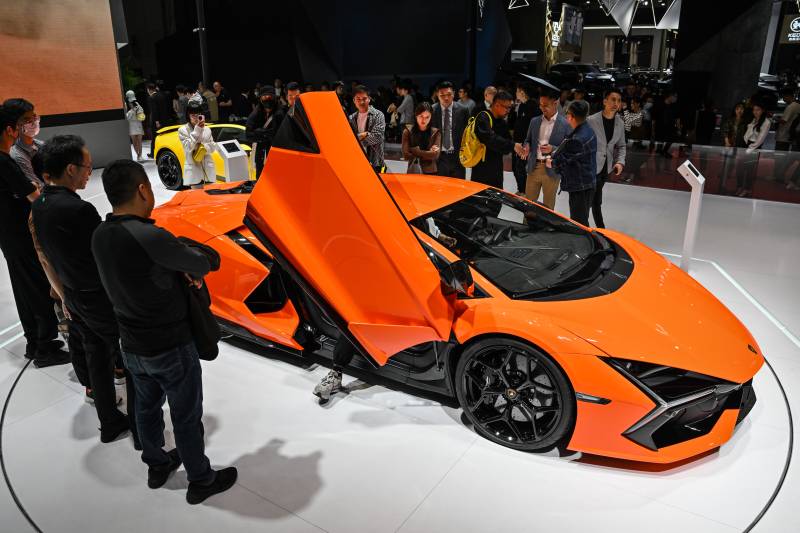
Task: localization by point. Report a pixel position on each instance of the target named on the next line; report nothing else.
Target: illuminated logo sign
(791, 30)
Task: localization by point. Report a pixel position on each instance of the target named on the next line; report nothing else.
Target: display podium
(697, 182)
(235, 160)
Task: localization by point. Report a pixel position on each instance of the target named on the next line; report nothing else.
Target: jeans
(175, 376)
(579, 204)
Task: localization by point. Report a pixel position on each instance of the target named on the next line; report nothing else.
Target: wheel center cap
(511, 394)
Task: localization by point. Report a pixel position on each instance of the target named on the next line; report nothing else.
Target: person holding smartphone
(198, 145)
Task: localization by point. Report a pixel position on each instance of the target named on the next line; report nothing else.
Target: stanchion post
(697, 182)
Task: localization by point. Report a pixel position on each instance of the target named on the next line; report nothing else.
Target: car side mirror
(457, 279)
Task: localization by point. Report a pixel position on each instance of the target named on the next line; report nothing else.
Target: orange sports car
(546, 332)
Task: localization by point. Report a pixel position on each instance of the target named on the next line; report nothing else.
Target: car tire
(515, 395)
(169, 169)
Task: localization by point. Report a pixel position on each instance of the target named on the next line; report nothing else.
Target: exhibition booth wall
(61, 55)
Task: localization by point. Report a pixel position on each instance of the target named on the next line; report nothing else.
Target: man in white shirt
(545, 133)
(450, 118)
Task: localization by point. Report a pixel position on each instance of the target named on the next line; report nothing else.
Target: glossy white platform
(382, 460)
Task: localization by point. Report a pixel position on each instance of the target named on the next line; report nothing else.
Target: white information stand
(697, 181)
(236, 162)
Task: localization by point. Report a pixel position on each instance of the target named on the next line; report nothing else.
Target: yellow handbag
(199, 153)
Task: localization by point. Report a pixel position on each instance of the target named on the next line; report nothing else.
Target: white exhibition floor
(379, 460)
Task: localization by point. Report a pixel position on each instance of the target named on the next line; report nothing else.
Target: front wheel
(515, 395)
(169, 170)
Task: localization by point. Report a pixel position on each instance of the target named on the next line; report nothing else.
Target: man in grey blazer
(609, 129)
(451, 119)
(545, 134)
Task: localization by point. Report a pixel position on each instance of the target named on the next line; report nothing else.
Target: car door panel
(331, 217)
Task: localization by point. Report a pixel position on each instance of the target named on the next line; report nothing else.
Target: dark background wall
(304, 40)
(719, 51)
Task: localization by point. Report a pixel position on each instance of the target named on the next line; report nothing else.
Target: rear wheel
(169, 170)
(514, 394)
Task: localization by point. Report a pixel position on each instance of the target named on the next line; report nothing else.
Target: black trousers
(34, 304)
(93, 317)
(343, 353)
(449, 165)
(579, 204)
(597, 199)
(519, 167)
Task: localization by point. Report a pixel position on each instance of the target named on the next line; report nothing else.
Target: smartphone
(201, 118)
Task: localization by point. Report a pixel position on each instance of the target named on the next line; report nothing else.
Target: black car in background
(581, 74)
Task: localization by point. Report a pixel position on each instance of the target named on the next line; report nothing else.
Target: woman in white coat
(198, 145)
(754, 136)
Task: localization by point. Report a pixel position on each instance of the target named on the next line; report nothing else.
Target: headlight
(687, 404)
(668, 383)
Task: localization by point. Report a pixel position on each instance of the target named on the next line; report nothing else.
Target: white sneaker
(329, 385)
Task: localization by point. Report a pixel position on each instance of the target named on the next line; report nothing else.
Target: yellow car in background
(169, 155)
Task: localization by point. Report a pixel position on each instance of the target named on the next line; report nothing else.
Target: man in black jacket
(451, 119)
(143, 268)
(263, 123)
(28, 282)
(64, 224)
(520, 120)
(492, 130)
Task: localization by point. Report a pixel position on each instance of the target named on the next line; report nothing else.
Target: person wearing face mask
(28, 281)
(25, 150)
(262, 124)
(63, 224)
(198, 145)
(135, 116)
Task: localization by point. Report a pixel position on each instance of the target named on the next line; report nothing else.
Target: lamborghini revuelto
(546, 332)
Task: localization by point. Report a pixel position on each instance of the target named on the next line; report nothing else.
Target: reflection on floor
(381, 460)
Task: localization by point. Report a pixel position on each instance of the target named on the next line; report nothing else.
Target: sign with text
(790, 34)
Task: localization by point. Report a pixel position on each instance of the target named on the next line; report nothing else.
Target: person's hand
(526, 151)
(546, 149)
(435, 148)
(158, 124)
(201, 123)
(65, 309)
(519, 149)
(618, 169)
(548, 163)
(363, 135)
(392, 108)
(197, 283)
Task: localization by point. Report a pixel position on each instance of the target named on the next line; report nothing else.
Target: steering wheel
(478, 220)
(499, 234)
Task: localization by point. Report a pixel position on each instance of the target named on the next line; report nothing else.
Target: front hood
(663, 316)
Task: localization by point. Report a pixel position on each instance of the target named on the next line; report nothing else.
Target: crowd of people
(122, 286)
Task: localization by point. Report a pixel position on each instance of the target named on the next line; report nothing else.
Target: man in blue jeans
(143, 268)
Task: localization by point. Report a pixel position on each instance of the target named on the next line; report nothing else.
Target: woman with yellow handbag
(198, 145)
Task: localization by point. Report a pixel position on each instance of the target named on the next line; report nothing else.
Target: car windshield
(524, 249)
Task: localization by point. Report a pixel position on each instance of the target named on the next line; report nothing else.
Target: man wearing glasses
(492, 130)
(368, 125)
(64, 224)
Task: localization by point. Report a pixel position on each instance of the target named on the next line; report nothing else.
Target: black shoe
(111, 432)
(158, 475)
(224, 480)
(57, 357)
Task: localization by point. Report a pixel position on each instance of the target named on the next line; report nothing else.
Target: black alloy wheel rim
(169, 170)
(511, 395)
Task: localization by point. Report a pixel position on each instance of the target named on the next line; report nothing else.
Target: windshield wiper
(576, 266)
